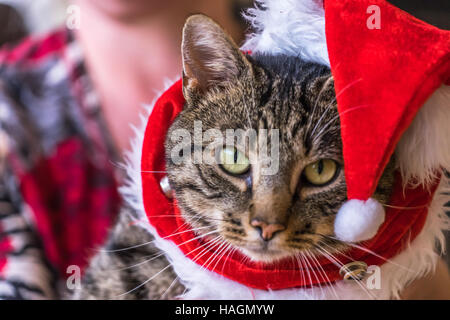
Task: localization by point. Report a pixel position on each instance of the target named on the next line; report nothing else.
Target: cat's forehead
(282, 93)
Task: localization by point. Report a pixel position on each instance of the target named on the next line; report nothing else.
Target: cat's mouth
(265, 251)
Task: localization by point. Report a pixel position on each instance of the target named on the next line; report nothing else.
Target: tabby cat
(266, 216)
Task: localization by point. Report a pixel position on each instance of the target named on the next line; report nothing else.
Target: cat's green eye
(321, 172)
(233, 161)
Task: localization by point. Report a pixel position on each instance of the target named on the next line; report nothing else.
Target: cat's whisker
(198, 237)
(140, 263)
(403, 208)
(163, 295)
(322, 271)
(213, 254)
(225, 252)
(314, 274)
(181, 216)
(229, 253)
(301, 268)
(339, 264)
(381, 257)
(148, 242)
(370, 252)
(146, 281)
(222, 249)
(306, 268)
(206, 246)
(153, 171)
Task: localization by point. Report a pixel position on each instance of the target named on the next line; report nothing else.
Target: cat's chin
(265, 255)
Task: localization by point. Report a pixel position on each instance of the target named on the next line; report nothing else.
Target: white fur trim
(424, 149)
(358, 220)
(292, 27)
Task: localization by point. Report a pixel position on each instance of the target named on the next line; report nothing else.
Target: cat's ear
(210, 56)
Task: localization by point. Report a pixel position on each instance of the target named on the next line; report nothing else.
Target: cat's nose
(267, 230)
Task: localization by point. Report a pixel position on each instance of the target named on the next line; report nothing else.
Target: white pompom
(358, 220)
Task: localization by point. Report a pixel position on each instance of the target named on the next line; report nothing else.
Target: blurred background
(21, 17)
(43, 15)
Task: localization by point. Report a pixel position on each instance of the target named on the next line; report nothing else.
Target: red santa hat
(383, 76)
(385, 64)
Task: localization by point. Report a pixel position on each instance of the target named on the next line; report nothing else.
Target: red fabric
(382, 78)
(400, 227)
(73, 203)
(5, 246)
(29, 51)
(70, 188)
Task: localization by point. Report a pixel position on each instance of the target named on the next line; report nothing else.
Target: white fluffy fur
(297, 27)
(358, 220)
(424, 149)
(293, 27)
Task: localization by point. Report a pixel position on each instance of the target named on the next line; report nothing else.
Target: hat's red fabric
(382, 77)
(405, 218)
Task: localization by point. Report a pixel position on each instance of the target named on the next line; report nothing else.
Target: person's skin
(435, 286)
(132, 46)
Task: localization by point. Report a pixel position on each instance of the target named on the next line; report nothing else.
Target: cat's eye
(233, 161)
(321, 172)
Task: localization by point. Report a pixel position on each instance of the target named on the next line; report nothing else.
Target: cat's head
(276, 192)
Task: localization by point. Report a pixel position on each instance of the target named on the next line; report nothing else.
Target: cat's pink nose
(267, 230)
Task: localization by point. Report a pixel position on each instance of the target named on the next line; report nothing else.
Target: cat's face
(266, 214)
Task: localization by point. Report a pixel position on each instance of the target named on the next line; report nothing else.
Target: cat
(266, 217)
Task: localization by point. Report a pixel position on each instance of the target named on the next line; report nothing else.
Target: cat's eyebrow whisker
(315, 106)
(328, 106)
(351, 84)
(322, 131)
